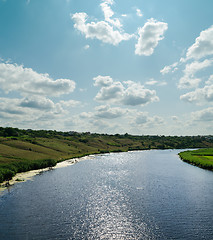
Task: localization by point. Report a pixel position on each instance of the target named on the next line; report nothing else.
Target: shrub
(6, 174)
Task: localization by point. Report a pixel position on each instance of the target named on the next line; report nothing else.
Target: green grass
(202, 158)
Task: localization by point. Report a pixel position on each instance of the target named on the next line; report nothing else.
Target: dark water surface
(134, 195)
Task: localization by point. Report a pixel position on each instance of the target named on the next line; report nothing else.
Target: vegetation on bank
(24, 150)
(202, 158)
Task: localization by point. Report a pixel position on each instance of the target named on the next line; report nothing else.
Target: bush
(7, 171)
(6, 174)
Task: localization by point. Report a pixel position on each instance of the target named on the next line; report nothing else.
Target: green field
(24, 150)
(202, 158)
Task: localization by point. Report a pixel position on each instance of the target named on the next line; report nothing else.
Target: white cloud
(34, 105)
(149, 36)
(127, 93)
(210, 80)
(41, 103)
(86, 115)
(205, 115)
(35, 112)
(10, 108)
(26, 81)
(139, 13)
(112, 92)
(33, 109)
(151, 82)
(189, 80)
(143, 119)
(171, 68)
(105, 111)
(102, 81)
(136, 94)
(22, 110)
(69, 103)
(199, 96)
(202, 48)
(98, 121)
(86, 47)
(192, 68)
(203, 45)
(101, 30)
(108, 13)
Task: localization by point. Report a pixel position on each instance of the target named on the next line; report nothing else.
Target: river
(135, 195)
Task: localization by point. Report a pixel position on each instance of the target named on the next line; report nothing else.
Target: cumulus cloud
(205, 115)
(210, 80)
(98, 121)
(86, 115)
(143, 118)
(69, 103)
(203, 45)
(196, 66)
(199, 96)
(110, 30)
(112, 92)
(34, 105)
(41, 103)
(201, 49)
(102, 81)
(136, 94)
(34, 112)
(127, 93)
(10, 108)
(149, 36)
(102, 30)
(108, 13)
(189, 80)
(33, 108)
(14, 77)
(105, 111)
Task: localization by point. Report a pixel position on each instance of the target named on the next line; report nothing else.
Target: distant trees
(147, 141)
(8, 132)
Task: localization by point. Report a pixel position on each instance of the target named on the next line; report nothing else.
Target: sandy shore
(24, 176)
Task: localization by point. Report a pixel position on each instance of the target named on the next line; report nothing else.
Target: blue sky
(142, 67)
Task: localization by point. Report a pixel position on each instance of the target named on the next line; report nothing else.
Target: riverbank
(25, 150)
(202, 158)
(24, 176)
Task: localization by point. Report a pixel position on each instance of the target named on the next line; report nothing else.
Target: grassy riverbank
(24, 150)
(202, 158)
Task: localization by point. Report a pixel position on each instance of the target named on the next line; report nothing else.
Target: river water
(134, 195)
